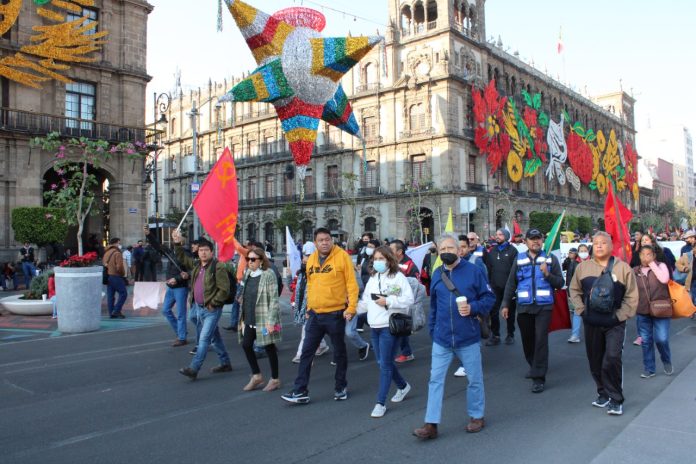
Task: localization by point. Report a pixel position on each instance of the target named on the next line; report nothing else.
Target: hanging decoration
(526, 139)
(299, 73)
(53, 45)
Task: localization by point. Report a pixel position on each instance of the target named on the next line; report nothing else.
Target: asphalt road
(116, 397)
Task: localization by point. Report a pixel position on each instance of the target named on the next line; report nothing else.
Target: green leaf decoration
(543, 119)
(581, 132)
(566, 115)
(527, 97)
(536, 101)
(578, 127)
(531, 167)
(593, 185)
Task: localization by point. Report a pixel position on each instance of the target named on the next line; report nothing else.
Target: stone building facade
(413, 100)
(105, 99)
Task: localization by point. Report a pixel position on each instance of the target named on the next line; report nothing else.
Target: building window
(269, 145)
(172, 200)
(370, 224)
(251, 232)
(417, 117)
(253, 148)
(370, 128)
(309, 183)
(251, 188)
(332, 179)
(237, 150)
(418, 168)
(172, 127)
(287, 186)
(172, 164)
(268, 233)
(471, 170)
(88, 13)
(80, 102)
(369, 74)
(270, 188)
(370, 177)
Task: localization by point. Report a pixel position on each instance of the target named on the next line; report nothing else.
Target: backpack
(601, 298)
(680, 277)
(233, 282)
(417, 309)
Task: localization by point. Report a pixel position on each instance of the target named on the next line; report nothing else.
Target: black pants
(139, 271)
(534, 329)
(604, 347)
(495, 314)
(248, 346)
(316, 327)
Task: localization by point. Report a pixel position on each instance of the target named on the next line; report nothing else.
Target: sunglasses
(253, 260)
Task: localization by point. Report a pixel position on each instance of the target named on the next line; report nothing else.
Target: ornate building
(51, 84)
(434, 140)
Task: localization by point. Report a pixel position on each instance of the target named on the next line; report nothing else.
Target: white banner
(418, 254)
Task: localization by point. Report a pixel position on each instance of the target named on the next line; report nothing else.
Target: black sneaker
(188, 372)
(509, 340)
(493, 341)
(296, 397)
(601, 402)
(340, 395)
(538, 387)
(364, 352)
(615, 409)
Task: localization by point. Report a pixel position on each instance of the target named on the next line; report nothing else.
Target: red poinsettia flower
(580, 157)
(489, 135)
(631, 157)
(80, 261)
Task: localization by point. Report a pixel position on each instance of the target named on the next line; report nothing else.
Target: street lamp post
(194, 114)
(162, 102)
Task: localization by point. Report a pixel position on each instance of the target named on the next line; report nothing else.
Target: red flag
(559, 46)
(516, 230)
(217, 205)
(651, 231)
(616, 219)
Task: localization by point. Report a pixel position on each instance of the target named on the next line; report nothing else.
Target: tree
(416, 188)
(290, 217)
(73, 159)
(350, 181)
(39, 225)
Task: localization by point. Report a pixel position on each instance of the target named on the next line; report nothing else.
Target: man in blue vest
(533, 279)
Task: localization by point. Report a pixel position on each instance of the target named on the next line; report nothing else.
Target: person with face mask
(387, 292)
(533, 278)
(113, 262)
(500, 260)
(459, 293)
(575, 257)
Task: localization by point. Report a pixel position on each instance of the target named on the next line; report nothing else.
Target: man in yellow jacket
(332, 297)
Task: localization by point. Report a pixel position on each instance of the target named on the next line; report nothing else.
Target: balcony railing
(331, 195)
(417, 133)
(369, 191)
(38, 124)
(331, 146)
(373, 140)
(367, 87)
(263, 158)
(432, 25)
(475, 187)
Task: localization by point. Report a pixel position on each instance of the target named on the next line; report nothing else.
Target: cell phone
(376, 296)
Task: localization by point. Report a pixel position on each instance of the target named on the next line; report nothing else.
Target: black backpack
(233, 282)
(601, 298)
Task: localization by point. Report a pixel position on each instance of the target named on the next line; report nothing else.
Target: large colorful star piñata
(299, 73)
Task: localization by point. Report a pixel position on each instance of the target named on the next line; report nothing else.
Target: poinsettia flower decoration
(489, 136)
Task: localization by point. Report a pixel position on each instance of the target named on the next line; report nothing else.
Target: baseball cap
(534, 233)
(308, 248)
(688, 233)
(573, 250)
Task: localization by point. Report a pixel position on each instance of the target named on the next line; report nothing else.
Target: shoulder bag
(483, 321)
(400, 325)
(658, 308)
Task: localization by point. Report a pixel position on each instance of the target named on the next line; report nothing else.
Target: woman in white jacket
(387, 292)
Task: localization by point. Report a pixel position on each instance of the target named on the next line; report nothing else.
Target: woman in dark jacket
(575, 257)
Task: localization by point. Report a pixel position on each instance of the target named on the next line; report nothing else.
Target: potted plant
(31, 302)
(79, 294)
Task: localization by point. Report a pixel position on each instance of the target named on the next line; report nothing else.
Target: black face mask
(448, 258)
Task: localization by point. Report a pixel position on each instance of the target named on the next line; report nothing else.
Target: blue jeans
(29, 270)
(193, 317)
(385, 347)
(209, 335)
(55, 308)
(234, 314)
(470, 357)
(353, 335)
(575, 321)
(405, 346)
(654, 329)
(116, 285)
(176, 296)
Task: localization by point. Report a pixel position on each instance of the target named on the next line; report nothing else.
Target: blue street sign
(195, 187)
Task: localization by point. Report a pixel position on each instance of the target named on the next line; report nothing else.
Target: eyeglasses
(253, 260)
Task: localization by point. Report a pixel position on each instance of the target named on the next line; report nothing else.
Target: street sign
(132, 210)
(195, 187)
(467, 205)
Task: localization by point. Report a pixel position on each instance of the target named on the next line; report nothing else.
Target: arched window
(173, 127)
(419, 17)
(370, 74)
(268, 233)
(370, 224)
(406, 18)
(432, 14)
(307, 231)
(416, 117)
(251, 232)
(333, 224)
(173, 204)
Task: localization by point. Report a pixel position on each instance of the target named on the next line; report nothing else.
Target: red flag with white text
(217, 205)
(616, 219)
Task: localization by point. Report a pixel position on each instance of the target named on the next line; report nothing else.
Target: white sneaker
(296, 359)
(401, 394)
(378, 411)
(574, 340)
(461, 372)
(322, 350)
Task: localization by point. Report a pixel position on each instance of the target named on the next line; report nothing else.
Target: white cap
(308, 248)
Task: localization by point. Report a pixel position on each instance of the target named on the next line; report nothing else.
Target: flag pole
(618, 223)
(182, 219)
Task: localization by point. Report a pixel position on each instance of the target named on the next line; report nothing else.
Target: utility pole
(194, 114)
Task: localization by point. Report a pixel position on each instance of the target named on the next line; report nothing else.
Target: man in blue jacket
(456, 331)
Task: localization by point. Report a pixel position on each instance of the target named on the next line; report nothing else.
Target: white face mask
(369, 251)
(583, 255)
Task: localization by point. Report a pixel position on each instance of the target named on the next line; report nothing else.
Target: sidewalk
(665, 430)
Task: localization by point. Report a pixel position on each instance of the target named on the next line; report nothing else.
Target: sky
(646, 48)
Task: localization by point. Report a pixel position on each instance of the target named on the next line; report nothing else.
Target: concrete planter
(79, 298)
(16, 305)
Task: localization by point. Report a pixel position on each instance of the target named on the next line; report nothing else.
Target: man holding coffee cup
(459, 292)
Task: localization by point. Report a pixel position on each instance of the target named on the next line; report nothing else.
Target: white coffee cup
(44, 297)
(461, 301)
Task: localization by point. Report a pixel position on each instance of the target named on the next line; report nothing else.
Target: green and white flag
(553, 239)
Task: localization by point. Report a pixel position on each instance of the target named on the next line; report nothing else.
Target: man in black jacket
(499, 262)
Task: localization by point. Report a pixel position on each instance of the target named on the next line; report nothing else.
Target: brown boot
(272, 385)
(475, 425)
(255, 382)
(427, 432)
